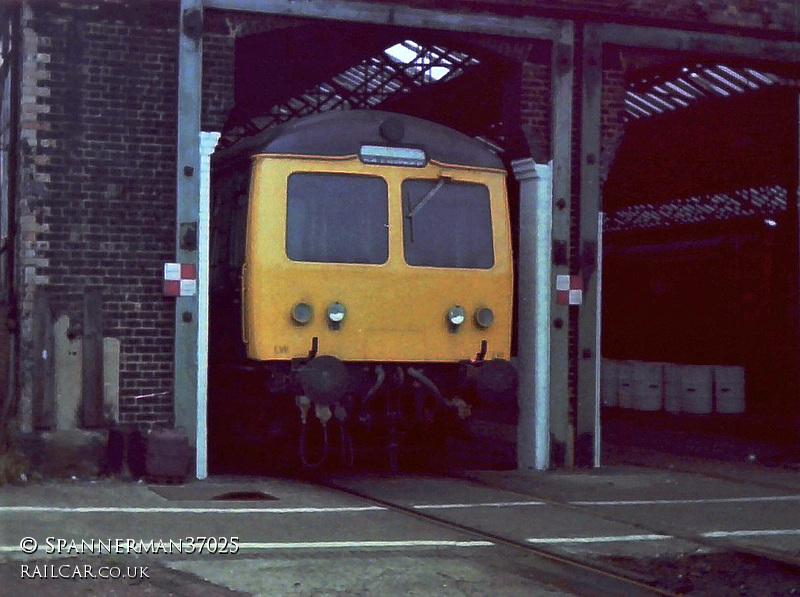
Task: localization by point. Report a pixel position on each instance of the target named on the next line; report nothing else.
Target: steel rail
(753, 551)
(577, 576)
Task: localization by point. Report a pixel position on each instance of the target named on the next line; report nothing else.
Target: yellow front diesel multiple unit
(376, 296)
(361, 275)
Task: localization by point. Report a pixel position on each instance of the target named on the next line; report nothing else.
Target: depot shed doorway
(701, 268)
(351, 67)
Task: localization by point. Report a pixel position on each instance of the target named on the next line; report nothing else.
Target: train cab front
(384, 275)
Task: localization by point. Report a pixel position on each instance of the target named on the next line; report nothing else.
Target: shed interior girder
(302, 70)
(701, 261)
(720, 145)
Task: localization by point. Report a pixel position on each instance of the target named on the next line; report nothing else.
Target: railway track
(787, 561)
(572, 574)
(597, 578)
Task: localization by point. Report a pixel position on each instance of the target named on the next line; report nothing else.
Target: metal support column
(589, 322)
(187, 210)
(795, 187)
(208, 141)
(535, 266)
(561, 435)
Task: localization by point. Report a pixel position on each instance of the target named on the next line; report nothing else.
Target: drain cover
(204, 492)
(244, 496)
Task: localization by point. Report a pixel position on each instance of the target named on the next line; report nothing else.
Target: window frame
(450, 180)
(385, 258)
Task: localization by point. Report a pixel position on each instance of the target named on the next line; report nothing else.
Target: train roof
(343, 132)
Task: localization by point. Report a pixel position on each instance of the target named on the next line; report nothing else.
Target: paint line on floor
(478, 505)
(331, 545)
(751, 533)
(188, 510)
(364, 544)
(735, 500)
(597, 539)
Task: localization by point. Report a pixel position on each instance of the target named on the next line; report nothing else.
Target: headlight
(484, 317)
(456, 316)
(301, 313)
(336, 312)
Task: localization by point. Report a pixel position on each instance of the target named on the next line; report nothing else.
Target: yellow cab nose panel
(394, 311)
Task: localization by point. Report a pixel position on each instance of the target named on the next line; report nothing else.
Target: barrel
(625, 388)
(729, 389)
(696, 392)
(648, 386)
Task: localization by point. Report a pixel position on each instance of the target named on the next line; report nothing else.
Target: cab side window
(238, 232)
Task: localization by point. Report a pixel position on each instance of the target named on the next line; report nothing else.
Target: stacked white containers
(648, 386)
(729, 389)
(694, 389)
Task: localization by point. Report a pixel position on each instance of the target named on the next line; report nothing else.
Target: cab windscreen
(337, 218)
(447, 224)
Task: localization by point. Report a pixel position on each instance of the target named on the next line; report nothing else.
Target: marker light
(393, 156)
(336, 312)
(484, 317)
(301, 313)
(456, 315)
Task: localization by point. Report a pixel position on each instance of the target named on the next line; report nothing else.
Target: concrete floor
(314, 541)
(309, 541)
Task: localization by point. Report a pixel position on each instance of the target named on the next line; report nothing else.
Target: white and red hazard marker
(569, 290)
(180, 279)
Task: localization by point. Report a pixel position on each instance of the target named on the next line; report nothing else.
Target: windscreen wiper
(429, 195)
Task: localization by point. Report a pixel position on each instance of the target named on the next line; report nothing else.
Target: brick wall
(535, 105)
(218, 63)
(97, 208)
(613, 109)
(97, 202)
(220, 31)
(29, 205)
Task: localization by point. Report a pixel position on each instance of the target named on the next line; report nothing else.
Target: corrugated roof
(723, 143)
(765, 201)
(680, 88)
